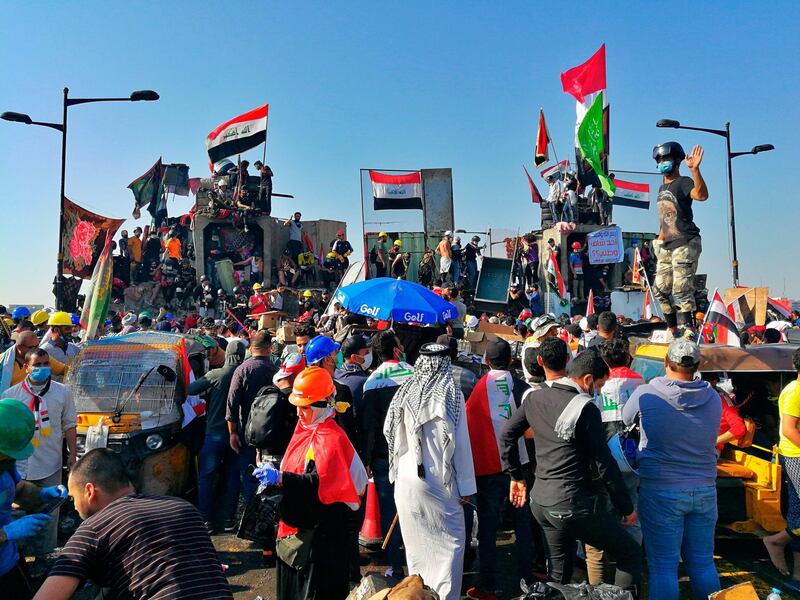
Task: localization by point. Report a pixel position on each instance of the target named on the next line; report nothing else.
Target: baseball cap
(292, 365)
(498, 351)
(684, 352)
(353, 345)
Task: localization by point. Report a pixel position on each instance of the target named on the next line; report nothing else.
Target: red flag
(554, 278)
(588, 78)
(722, 316)
(590, 303)
(536, 197)
(542, 142)
(647, 311)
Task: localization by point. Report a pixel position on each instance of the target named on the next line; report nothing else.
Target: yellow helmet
(330, 255)
(383, 234)
(256, 286)
(307, 294)
(398, 243)
(9, 322)
(39, 317)
(60, 319)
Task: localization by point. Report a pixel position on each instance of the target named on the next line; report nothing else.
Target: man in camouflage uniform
(678, 246)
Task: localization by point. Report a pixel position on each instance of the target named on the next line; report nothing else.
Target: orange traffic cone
(371, 529)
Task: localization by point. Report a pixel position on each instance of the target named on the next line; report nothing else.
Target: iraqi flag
(647, 310)
(722, 316)
(396, 192)
(633, 195)
(554, 279)
(542, 142)
(238, 135)
(556, 168)
(536, 197)
(194, 406)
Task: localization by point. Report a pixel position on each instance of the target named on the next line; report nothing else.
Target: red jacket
(730, 421)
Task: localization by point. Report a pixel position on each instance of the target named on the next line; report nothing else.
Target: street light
(726, 133)
(15, 117)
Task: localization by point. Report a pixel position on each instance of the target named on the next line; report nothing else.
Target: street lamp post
(137, 96)
(726, 133)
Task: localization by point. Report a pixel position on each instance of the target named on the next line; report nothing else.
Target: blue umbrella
(385, 298)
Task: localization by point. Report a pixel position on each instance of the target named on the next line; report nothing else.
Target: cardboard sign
(605, 246)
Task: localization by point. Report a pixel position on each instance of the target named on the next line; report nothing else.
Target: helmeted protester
(497, 396)
(322, 479)
(678, 246)
(678, 418)
(12, 361)
(56, 342)
(39, 319)
(20, 313)
(132, 545)
(17, 428)
(570, 447)
(430, 464)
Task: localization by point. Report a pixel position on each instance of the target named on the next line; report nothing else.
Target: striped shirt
(153, 547)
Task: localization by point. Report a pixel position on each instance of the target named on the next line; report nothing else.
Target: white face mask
(367, 360)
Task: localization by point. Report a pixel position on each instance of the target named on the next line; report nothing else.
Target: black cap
(353, 345)
(498, 351)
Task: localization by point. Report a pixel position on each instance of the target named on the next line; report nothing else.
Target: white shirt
(295, 231)
(555, 191)
(47, 458)
(56, 352)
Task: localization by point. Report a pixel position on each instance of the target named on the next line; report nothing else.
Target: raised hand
(695, 158)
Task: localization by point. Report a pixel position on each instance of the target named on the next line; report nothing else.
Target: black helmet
(673, 149)
(237, 290)
(221, 292)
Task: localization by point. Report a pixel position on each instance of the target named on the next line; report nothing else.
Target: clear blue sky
(411, 84)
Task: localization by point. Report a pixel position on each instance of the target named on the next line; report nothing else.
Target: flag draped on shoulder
(554, 280)
(238, 134)
(148, 189)
(722, 316)
(95, 306)
(536, 197)
(633, 195)
(396, 192)
(542, 142)
(592, 145)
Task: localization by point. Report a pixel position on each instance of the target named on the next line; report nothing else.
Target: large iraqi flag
(396, 192)
(635, 195)
(238, 134)
(722, 316)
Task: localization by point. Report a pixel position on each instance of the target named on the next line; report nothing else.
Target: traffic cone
(371, 529)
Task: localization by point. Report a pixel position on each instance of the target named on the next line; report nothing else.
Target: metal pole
(59, 282)
(363, 226)
(735, 262)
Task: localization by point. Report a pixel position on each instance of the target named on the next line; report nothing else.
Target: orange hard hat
(699, 316)
(312, 385)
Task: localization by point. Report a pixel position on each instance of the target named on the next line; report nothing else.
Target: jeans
(791, 469)
(679, 524)
(472, 273)
(564, 523)
(217, 457)
(385, 489)
(455, 269)
(492, 492)
(247, 457)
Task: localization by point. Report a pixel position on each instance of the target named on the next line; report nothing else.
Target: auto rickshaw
(749, 476)
(129, 392)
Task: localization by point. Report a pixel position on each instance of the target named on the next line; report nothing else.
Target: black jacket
(563, 468)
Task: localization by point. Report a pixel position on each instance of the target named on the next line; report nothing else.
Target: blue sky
(410, 84)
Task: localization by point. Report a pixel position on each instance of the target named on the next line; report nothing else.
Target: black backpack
(373, 256)
(271, 422)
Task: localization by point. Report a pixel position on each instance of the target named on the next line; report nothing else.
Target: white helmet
(448, 233)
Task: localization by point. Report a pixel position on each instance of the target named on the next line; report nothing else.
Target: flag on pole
(83, 238)
(536, 197)
(396, 192)
(636, 272)
(554, 279)
(148, 190)
(586, 79)
(722, 316)
(590, 303)
(95, 306)
(647, 311)
(238, 134)
(590, 141)
(634, 195)
(556, 168)
(542, 142)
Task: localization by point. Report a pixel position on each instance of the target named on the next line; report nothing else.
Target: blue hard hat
(21, 312)
(169, 316)
(318, 348)
(76, 320)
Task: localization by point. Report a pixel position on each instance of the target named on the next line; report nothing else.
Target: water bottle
(774, 595)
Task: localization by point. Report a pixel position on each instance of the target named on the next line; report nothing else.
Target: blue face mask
(665, 167)
(40, 374)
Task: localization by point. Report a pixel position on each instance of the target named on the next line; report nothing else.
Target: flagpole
(650, 288)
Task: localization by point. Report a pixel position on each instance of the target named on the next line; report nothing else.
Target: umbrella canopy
(385, 298)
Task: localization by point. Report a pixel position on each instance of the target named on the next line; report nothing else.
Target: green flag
(149, 189)
(590, 140)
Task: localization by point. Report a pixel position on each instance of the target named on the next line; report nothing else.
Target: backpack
(271, 422)
(373, 256)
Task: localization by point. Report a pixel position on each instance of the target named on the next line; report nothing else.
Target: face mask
(665, 167)
(367, 360)
(40, 374)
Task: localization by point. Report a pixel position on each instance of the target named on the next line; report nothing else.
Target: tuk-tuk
(749, 475)
(129, 393)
